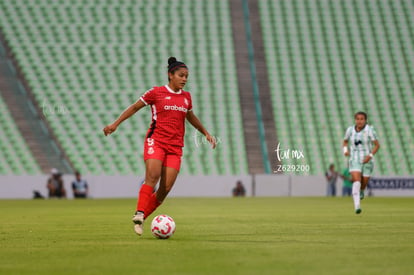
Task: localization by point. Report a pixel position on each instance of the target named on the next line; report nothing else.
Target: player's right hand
(109, 129)
(212, 140)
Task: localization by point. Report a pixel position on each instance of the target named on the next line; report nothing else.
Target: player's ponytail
(171, 60)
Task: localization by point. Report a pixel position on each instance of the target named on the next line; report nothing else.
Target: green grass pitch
(213, 236)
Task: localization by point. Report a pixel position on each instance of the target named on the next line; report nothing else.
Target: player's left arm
(193, 119)
(376, 146)
(373, 152)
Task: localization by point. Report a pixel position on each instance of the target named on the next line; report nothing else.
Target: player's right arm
(132, 109)
(345, 145)
(345, 142)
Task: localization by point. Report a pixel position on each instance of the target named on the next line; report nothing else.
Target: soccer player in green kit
(363, 144)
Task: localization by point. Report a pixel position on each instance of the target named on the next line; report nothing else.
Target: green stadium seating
(86, 62)
(328, 59)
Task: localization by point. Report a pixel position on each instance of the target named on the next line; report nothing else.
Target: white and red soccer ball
(162, 226)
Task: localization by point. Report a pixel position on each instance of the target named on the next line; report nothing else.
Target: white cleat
(138, 220)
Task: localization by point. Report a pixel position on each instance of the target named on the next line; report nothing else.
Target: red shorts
(169, 155)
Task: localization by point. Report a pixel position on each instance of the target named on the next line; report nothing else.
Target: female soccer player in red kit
(163, 144)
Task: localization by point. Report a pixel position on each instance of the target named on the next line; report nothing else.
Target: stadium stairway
(34, 131)
(263, 83)
(251, 129)
(244, 78)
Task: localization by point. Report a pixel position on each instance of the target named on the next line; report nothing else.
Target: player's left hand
(366, 159)
(212, 140)
(109, 129)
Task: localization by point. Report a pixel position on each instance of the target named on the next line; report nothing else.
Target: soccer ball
(162, 226)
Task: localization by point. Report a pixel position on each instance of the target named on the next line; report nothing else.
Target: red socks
(153, 203)
(143, 197)
(147, 200)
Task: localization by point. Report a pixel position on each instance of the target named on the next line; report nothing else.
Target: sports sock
(153, 204)
(355, 194)
(143, 197)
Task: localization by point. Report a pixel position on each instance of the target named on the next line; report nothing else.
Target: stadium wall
(22, 187)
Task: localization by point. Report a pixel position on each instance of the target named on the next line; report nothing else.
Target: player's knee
(152, 178)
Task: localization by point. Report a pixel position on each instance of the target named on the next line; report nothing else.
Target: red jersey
(169, 109)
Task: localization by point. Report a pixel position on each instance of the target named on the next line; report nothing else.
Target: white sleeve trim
(143, 100)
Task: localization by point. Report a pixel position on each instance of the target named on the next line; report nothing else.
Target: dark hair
(174, 65)
(361, 113)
